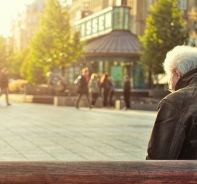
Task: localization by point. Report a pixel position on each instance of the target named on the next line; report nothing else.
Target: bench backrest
(99, 172)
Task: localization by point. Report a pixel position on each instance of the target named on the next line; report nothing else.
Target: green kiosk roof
(116, 43)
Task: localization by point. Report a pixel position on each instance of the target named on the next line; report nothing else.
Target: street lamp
(195, 26)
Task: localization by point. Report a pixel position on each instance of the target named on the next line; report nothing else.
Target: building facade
(25, 24)
(190, 14)
(139, 10)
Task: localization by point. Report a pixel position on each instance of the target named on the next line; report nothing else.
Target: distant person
(111, 90)
(4, 83)
(105, 87)
(82, 82)
(126, 92)
(94, 88)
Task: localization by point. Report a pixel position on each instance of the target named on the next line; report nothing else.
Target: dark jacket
(174, 134)
(4, 81)
(106, 85)
(83, 85)
(127, 87)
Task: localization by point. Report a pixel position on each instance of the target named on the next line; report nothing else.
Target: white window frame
(195, 4)
(150, 3)
(182, 4)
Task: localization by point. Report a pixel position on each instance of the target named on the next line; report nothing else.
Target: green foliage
(53, 44)
(15, 60)
(22, 65)
(11, 59)
(166, 28)
(31, 71)
(17, 85)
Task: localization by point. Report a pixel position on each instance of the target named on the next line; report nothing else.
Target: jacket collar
(187, 79)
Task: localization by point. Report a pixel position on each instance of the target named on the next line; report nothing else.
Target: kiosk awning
(116, 43)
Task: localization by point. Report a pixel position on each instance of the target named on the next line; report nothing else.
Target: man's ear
(177, 73)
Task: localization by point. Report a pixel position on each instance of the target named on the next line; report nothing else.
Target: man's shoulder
(180, 98)
(175, 95)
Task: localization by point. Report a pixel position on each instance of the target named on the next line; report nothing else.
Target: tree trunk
(63, 70)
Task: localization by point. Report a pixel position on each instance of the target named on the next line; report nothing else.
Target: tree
(31, 70)
(53, 44)
(11, 59)
(166, 28)
(15, 60)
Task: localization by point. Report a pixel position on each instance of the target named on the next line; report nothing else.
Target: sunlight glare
(9, 10)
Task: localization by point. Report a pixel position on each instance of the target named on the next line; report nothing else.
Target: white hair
(183, 58)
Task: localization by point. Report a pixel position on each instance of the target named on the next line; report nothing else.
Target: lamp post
(195, 28)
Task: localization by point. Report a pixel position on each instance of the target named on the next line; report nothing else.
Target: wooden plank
(99, 172)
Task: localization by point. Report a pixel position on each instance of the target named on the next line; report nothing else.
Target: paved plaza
(37, 132)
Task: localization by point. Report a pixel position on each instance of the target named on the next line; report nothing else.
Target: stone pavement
(37, 132)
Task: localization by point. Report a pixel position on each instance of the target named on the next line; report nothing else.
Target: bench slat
(99, 172)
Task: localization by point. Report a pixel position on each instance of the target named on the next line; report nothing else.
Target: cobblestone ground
(36, 132)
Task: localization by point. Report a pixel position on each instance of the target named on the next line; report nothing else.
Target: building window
(192, 42)
(183, 4)
(130, 3)
(35, 8)
(86, 6)
(118, 2)
(150, 2)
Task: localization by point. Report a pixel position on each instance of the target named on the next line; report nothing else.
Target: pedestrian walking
(4, 83)
(105, 87)
(111, 90)
(82, 82)
(174, 135)
(94, 88)
(127, 92)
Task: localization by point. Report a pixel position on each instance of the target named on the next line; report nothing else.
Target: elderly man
(174, 135)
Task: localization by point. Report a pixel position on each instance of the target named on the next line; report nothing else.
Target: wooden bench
(99, 172)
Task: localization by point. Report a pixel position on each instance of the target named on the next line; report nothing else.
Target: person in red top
(105, 85)
(83, 86)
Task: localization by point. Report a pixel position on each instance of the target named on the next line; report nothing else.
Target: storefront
(111, 47)
(116, 53)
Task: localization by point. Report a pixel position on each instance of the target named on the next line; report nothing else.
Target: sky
(8, 10)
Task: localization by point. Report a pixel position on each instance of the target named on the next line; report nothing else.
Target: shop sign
(103, 22)
(96, 25)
